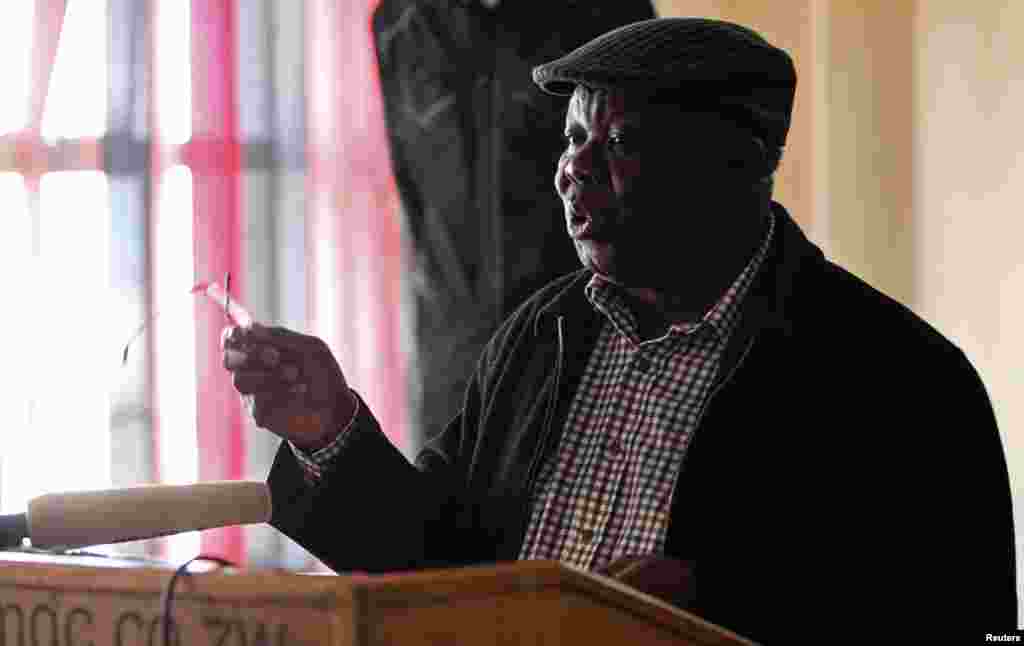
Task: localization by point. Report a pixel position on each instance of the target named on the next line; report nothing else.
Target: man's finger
(227, 336)
(256, 357)
(287, 340)
(235, 359)
(268, 355)
(236, 336)
(276, 331)
(280, 339)
(261, 382)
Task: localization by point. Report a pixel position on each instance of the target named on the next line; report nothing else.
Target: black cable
(167, 621)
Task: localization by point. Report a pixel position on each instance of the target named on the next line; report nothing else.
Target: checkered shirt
(316, 463)
(631, 420)
(607, 491)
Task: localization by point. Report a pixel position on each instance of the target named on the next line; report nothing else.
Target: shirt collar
(609, 299)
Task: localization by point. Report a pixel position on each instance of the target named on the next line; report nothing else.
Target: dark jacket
(846, 475)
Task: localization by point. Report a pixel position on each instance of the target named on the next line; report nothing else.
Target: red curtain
(49, 19)
(353, 240)
(213, 154)
(353, 232)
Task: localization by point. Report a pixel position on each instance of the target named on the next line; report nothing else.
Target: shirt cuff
(315, 464)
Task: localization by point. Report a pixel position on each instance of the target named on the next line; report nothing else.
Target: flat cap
(698, 63)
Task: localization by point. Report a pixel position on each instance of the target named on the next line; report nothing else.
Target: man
(708, 390)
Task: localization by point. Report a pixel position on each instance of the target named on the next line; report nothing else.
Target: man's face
(640, 184)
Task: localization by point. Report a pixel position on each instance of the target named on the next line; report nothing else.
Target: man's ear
(753, 161)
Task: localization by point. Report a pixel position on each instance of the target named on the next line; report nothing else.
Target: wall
(968, 192)
(906, 164)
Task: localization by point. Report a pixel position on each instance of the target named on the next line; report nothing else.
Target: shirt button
(587, 535)
(642, 364)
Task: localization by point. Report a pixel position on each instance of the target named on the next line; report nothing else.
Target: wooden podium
(95, 601)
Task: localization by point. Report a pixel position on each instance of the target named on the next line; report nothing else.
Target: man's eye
(573, 138)
(618, 145)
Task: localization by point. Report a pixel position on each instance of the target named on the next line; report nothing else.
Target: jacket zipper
(700, 420)
(725, 380)
(703, 410)
(549, 415)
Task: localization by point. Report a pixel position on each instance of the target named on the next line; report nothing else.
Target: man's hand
(290, 383)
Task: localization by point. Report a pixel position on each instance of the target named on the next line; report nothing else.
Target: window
(145, 146)
(57, 262)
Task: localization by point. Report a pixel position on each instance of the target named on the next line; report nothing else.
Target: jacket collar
(770, 301)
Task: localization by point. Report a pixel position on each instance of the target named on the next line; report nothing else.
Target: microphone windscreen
(77, 519)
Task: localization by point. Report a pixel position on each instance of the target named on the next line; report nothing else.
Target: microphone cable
(167, 603)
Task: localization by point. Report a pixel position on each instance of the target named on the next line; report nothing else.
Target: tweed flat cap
(695, 62)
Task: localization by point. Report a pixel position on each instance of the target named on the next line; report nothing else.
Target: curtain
(353, 237)
(474, 145)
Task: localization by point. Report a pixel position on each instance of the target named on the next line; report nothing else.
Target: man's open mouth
(580, 225)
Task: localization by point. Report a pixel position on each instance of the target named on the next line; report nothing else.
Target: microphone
(81, 518)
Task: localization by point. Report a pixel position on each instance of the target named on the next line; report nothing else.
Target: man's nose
(580, 167)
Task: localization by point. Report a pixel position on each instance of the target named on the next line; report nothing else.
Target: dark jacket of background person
(847, 475)
(472, 144)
